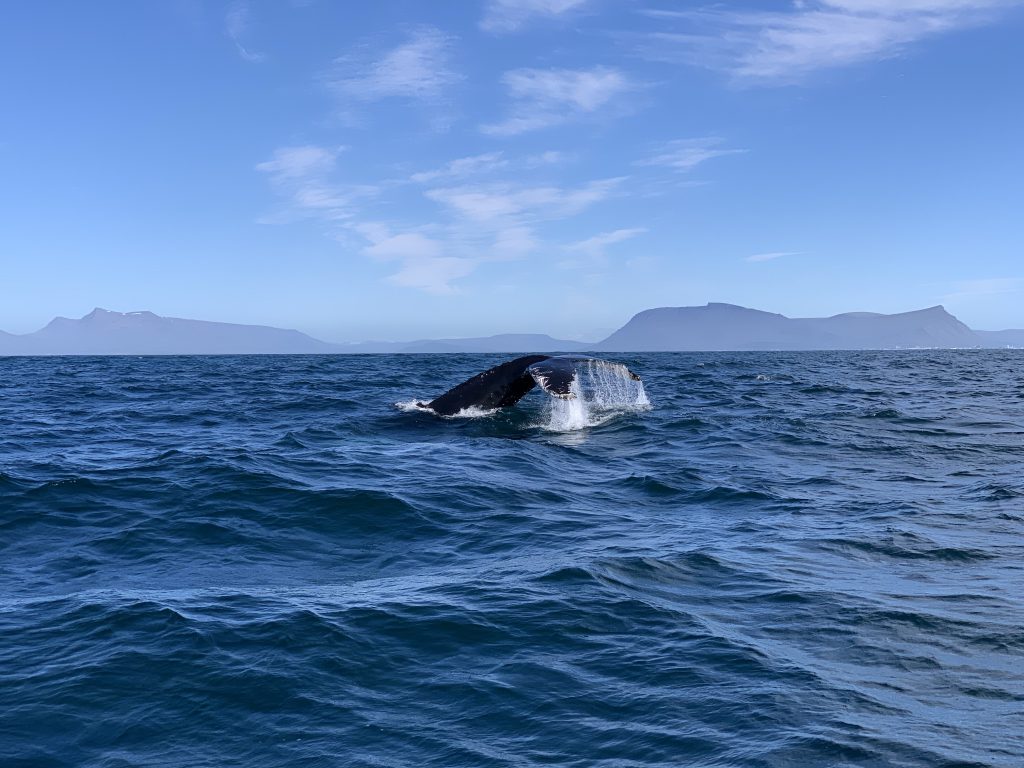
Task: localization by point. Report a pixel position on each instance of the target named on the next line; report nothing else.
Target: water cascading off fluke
(600, 390)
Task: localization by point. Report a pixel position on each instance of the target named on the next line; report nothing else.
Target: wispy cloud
(462, 167)
(598, 244)
(408, 245)
(592, 253)
(514, 242)
(973, 290)
(418, 70)
(422, 262)
(686, 154)
(494, 222)
(433, 275)
(236, 23)
(490, 203)
(301, 162)
(511, 15)
(303, 174)
(550, 157)
(542, 98)
(771, 256)
(787, 46)
(476, 221)
(487, 163)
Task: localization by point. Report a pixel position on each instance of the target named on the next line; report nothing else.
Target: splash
(600, 391)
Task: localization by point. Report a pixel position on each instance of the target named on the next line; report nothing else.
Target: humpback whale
(505, 385)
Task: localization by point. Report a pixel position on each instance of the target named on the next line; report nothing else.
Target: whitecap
(417, 406)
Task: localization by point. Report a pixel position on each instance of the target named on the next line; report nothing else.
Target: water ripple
(806, 559)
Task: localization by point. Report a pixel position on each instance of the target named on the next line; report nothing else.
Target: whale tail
(557, 374)
(505, 385)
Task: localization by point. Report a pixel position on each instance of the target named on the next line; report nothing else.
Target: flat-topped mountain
(102, 332)
(730, 327)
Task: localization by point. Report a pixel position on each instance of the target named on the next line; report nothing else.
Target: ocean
(762, 559)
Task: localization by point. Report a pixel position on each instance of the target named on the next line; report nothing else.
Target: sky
(404, 169)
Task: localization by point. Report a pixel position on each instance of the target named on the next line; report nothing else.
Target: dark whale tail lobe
(505, 385)
(498, 387)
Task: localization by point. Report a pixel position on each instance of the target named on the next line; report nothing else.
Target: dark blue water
(809, 559)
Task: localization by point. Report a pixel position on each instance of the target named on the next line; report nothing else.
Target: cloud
(464, 166)
(513, 242)
(300, 162)
(596, 245)
(417, 70)
(686, 154)
(480, 165)
(404, 246)
(511, 15)
(551, 157)
(592, 252)
(423, 264)
(771, 256)
(476, 223)
(303, 175)
(787, 46)
(546, 97)
(433, 275)
(490, 203)
(236, 23)
(486, 223)
(972, 290)
(480, 222)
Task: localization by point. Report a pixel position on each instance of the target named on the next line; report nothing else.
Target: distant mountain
(730, 327)
(504, 342)
(510, 343)
(102, 332)
(707, 328)
(1010, 338)
(480, 344)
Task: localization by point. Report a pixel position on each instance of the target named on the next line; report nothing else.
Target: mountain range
(715, 326)
(729, 327)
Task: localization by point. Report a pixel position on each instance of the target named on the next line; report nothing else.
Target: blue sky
(411, 169)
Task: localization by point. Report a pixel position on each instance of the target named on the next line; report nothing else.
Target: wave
(473, 412)
(261, 561)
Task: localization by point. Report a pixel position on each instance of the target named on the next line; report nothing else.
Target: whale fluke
(555, 375)
(505, 385)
